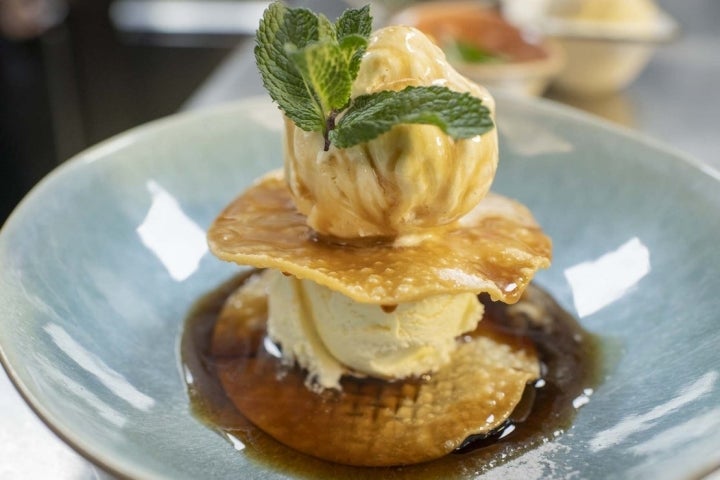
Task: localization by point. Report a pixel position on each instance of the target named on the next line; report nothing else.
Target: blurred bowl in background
(607, 43)
(605, 58)
(486, 48)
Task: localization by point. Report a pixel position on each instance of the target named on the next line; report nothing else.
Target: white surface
(29, 450)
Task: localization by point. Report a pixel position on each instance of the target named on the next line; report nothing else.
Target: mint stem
(329, 126)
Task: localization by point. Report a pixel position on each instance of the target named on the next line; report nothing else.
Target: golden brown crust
(496, 248)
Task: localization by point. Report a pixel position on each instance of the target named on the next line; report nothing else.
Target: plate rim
(117, 142)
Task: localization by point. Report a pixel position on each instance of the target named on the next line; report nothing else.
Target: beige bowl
(506, 58)
(605, 57)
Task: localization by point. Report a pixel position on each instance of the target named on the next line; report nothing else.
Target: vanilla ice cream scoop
(411, 178)
(329, 334)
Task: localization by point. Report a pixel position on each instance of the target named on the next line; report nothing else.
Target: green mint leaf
(354, 22)
(353, 30)
(325, 72)
(300, 27)
(467, 52)
(326, 29)
(353, 47)
(281, 27)
(459, 115)
(308, 65)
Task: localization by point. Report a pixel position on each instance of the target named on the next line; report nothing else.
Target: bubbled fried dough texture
(371, 422)
(496, 248)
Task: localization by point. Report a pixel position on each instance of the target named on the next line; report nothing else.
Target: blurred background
(70, 78)
(74, 72)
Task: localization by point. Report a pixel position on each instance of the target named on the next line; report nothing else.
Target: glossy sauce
(570, 368)
(388, 308)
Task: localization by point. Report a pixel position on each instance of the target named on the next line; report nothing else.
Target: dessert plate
(100, 264)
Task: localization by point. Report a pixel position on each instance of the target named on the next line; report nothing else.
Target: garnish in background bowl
(485, 47)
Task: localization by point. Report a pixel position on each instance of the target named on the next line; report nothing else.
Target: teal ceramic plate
(101, 262)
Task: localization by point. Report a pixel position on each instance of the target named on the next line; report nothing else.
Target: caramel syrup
(570, 366)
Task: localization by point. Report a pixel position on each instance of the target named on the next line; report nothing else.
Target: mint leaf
(460, 50)
(325, 71)
(279, 27)
(459, 115)
(353, 47)
(354, 22)
(308, 65)
(353, 29)
(326, 29)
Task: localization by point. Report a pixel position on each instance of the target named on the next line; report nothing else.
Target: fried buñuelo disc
(370, 422)
(496, 248)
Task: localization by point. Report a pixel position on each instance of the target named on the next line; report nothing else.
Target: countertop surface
(674, 100)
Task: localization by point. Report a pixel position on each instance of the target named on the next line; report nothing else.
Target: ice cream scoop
(330, 335)
(410, 179)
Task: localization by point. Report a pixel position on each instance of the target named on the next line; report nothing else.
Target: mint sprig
(459, 115)
(308, 65)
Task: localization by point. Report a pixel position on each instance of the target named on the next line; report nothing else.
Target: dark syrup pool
(570, 371)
